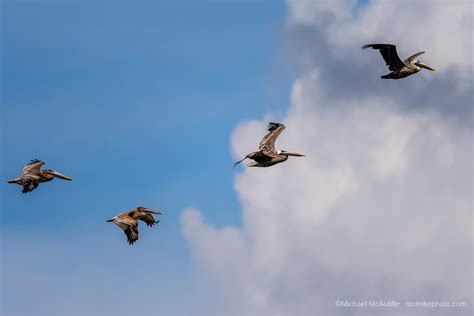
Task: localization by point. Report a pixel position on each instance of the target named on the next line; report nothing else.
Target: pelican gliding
(400, 69)
(267, 155)
(32, 176)
(128, 221)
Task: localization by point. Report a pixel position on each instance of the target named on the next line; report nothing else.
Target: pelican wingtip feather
(273, 126)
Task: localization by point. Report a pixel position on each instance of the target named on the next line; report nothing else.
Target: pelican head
(287, 153)
(142, 208)
(57, 174)
(423, 65)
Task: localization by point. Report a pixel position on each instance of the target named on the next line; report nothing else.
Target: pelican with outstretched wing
(267, 155)
(400, 68)
(32, 175)
(128, 221)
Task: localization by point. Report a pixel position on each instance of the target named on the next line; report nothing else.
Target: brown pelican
(267, 155)
(128, 221)
(32, 176)
(399, 68)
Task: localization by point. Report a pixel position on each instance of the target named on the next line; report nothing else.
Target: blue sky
(137, 102)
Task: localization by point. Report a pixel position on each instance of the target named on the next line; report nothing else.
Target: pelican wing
(32, 167)
(267, 144)
(145, 214)
(389, 54)
(30, 186)
(129, 226)
(132, 234)
(410, 59)
(146, 217)
(127, 218)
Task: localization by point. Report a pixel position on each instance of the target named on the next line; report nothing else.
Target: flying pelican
(32, 175)
(267, 155)
(128, 221)
(400, 69)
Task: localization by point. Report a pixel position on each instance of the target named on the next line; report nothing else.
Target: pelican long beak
(14, 180)
(157, 212)
(60, 176)
(422, 65)
(287, 153)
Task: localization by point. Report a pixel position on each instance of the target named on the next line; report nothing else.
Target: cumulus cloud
(381, 206)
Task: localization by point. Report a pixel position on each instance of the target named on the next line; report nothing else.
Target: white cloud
(380, 208)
